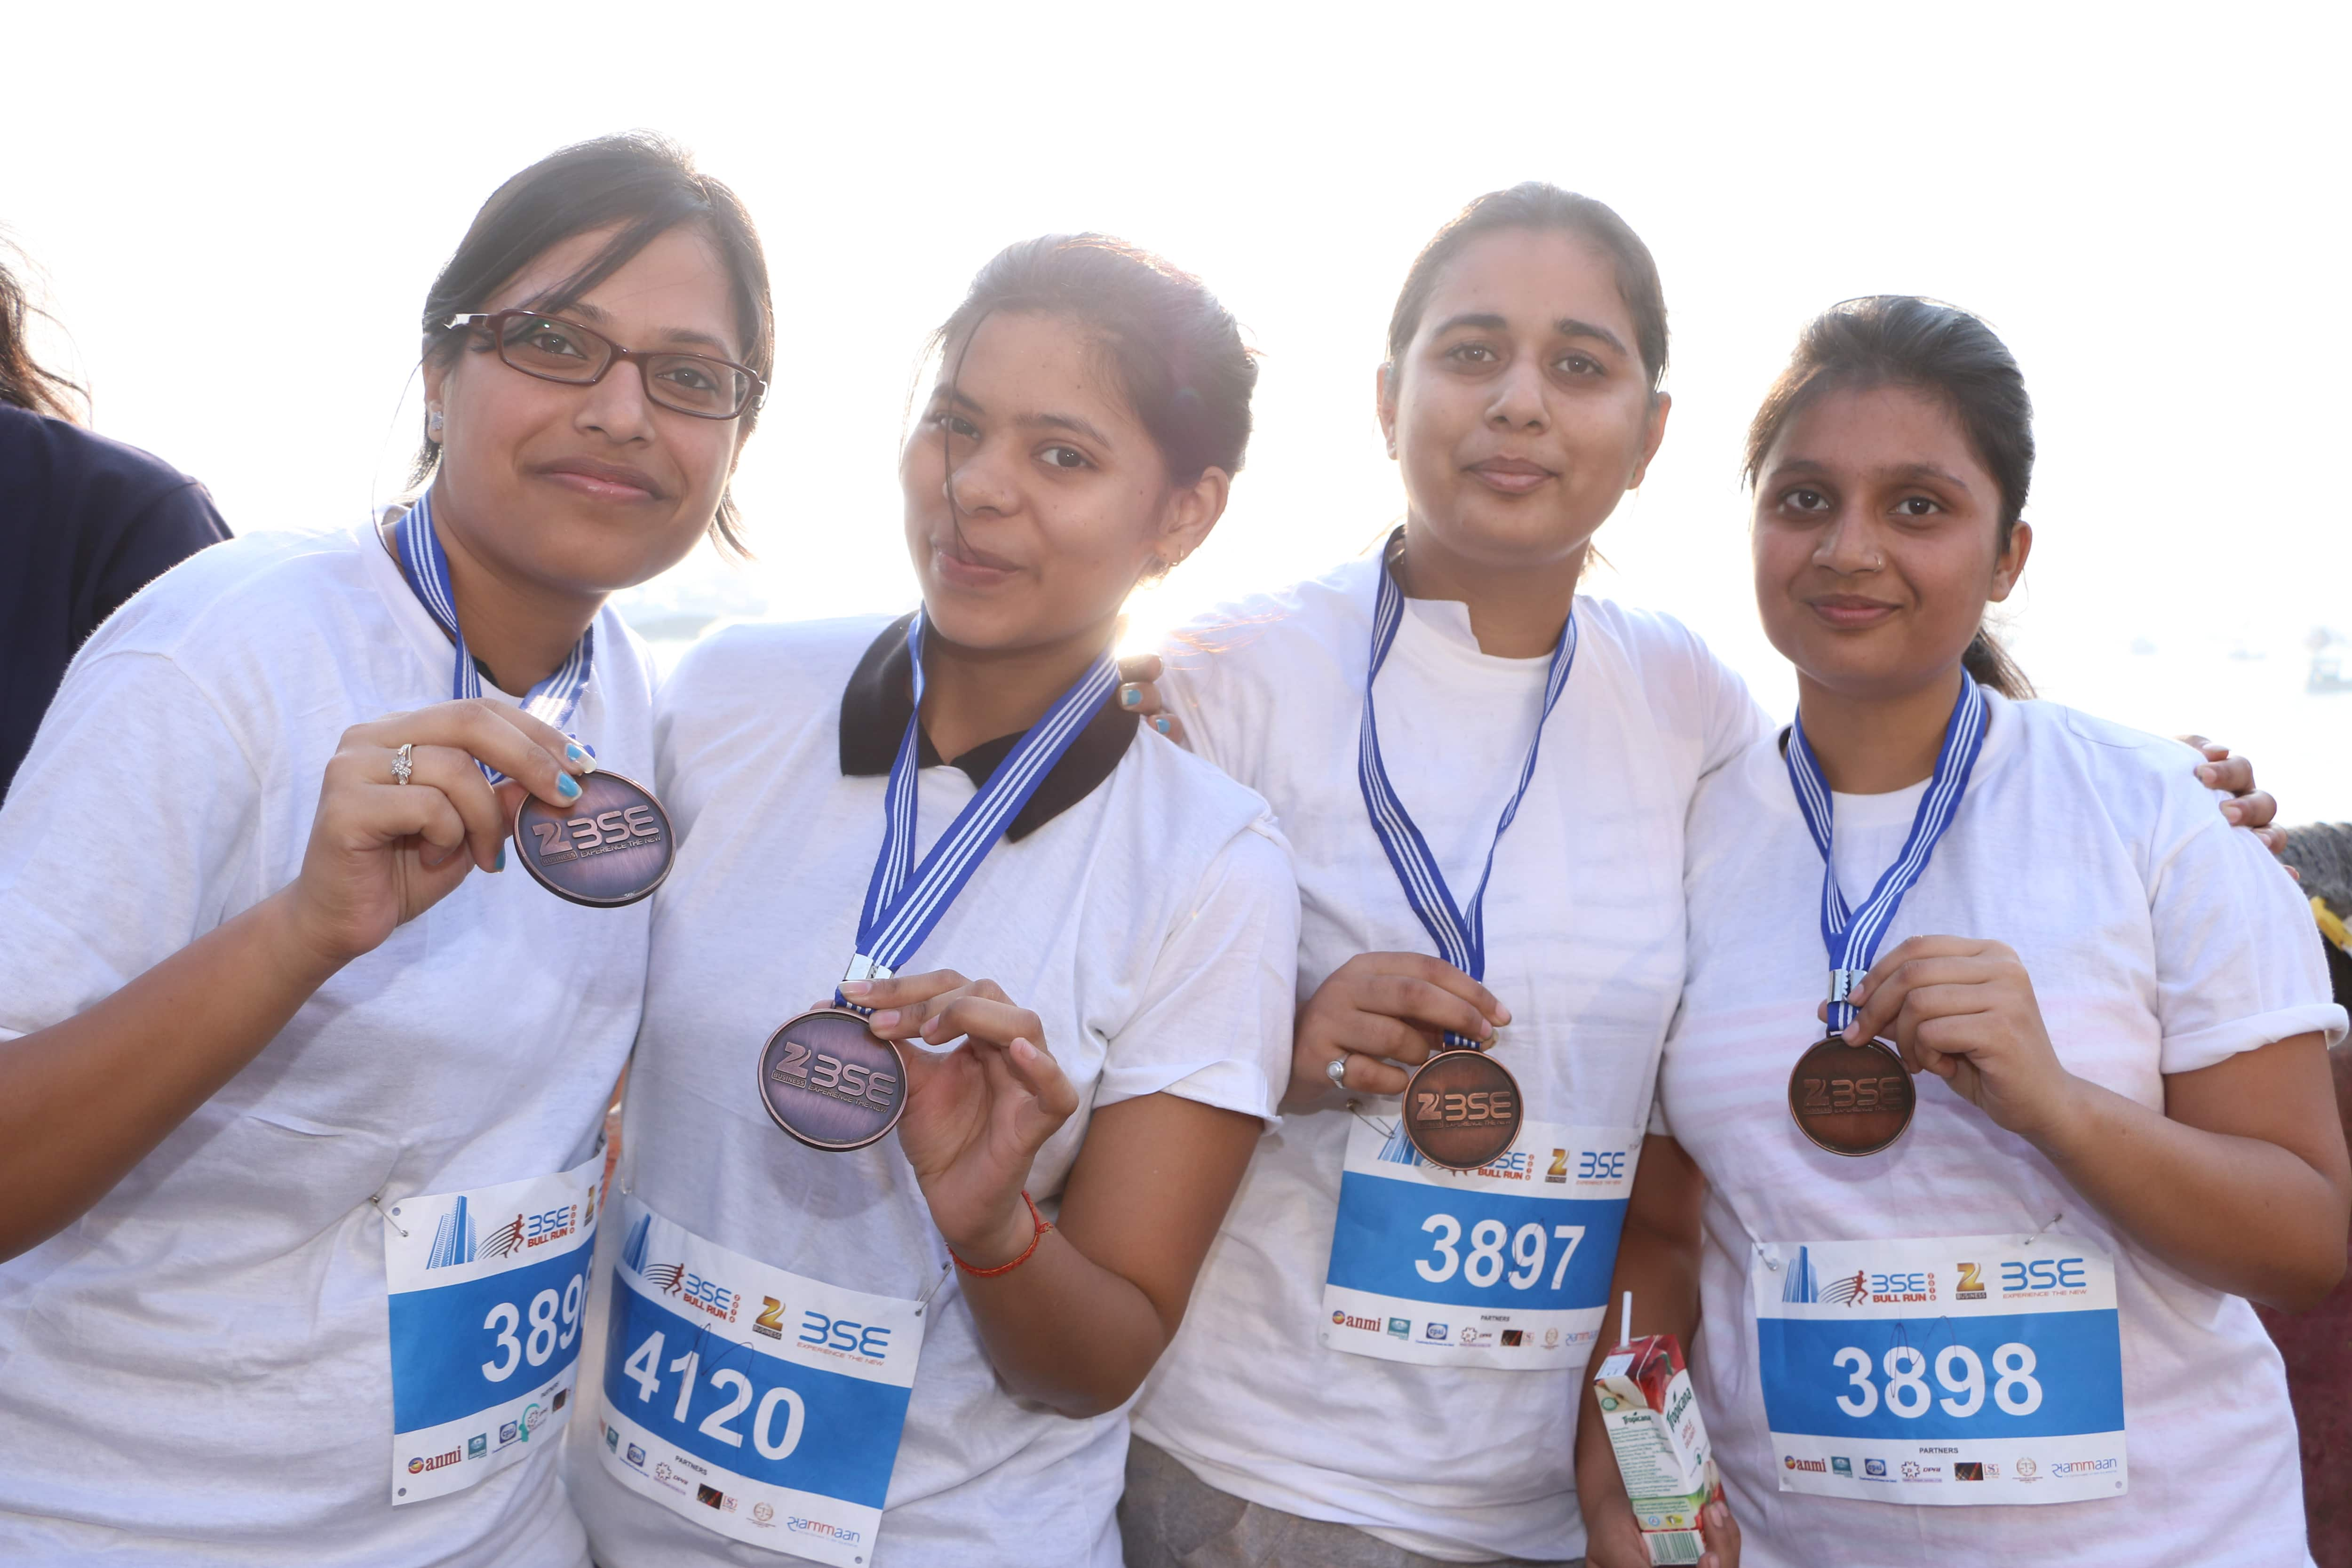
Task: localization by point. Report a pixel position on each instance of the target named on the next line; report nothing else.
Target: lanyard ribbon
(1461, 937)
(904, 902)
(426, 566)
(1851, 938)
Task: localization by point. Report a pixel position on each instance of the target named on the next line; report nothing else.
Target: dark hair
(1177, 353)
(1901, 339)
(2322, 851)
(1534, 204)
(638, 182)
(25, 382)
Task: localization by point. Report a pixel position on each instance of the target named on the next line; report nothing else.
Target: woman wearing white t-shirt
(299, 1105)
(883, 1349)
(1383, 1360)
(1924, 1310)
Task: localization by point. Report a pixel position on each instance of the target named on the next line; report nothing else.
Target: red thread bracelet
(1043, 1224)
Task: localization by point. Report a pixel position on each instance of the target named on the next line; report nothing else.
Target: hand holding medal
(1965, 1010)
(1853, 1096)
(976, 1115)
(605, 843)
(1462, 1107)
(406, 811)
(1381, 1008)
(826, 1078)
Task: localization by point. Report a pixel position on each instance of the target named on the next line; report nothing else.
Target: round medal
(611, 846)
(1462, 1110)
(1851, 1100)
(828, 1081)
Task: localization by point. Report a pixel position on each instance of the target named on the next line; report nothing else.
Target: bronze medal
(829, 1082)
(1851, 1100)
(611, 846)
(1462, 1109)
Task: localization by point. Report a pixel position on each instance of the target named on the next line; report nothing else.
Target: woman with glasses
(300, 1083)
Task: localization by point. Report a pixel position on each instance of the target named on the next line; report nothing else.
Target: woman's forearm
(83, 1101)
(1065, 1331)
(2239, 1214)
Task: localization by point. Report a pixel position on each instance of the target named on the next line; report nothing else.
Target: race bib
(486, 1290)
(1507, 1266)
(753, 1401)
(1972, 1369)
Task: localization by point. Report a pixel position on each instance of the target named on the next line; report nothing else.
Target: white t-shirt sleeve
(123, 837)
(2235, 965)
(1214, 1022)
(1734, 719)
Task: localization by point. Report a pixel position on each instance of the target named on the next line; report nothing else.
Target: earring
(433, 423)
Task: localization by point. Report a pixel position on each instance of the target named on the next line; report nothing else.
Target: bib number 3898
(1946, 1371)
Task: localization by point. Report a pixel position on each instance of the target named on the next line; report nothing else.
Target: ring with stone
(1337, 1070)
(401, 766)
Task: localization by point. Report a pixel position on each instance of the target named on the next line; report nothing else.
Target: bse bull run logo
(1804, 1286)
(457, 1238)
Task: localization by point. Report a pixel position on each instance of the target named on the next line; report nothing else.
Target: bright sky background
(239, 210)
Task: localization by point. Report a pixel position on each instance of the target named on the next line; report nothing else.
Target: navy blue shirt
(85, 522)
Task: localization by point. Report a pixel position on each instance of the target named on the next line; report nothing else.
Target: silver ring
(401, 766)
(1337, 1070)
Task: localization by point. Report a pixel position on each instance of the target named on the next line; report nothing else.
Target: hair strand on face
(1175, 353)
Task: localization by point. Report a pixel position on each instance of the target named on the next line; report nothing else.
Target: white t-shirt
(198, 1371)
(1584, 941)
(1150, 925)
(2160, 941)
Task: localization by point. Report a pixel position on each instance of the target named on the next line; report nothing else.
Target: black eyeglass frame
(494, 322)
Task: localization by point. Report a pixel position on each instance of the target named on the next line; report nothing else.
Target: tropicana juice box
(1660, 1439)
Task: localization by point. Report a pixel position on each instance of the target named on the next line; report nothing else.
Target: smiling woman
(298, 1107)
(1022, 971)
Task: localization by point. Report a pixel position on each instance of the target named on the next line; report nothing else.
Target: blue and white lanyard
(899, 912)
(1852, 939)
(427, 566)
(1461, 936)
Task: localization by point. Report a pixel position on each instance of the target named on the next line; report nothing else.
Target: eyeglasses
(553, 349)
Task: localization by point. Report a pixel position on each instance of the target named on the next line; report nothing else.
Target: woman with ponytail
(1979, 1257)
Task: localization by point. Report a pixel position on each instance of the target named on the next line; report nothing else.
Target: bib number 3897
(1952, 1371)
(1504, 1266)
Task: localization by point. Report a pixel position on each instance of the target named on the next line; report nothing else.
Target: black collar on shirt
(880, 697)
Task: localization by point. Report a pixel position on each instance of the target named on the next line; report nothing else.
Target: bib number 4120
(775, 1427)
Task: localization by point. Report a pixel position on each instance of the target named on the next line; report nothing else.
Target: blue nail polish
(567, 786)
(501, 863)
(572, 753)
(1130, 697)
(1161, 723)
